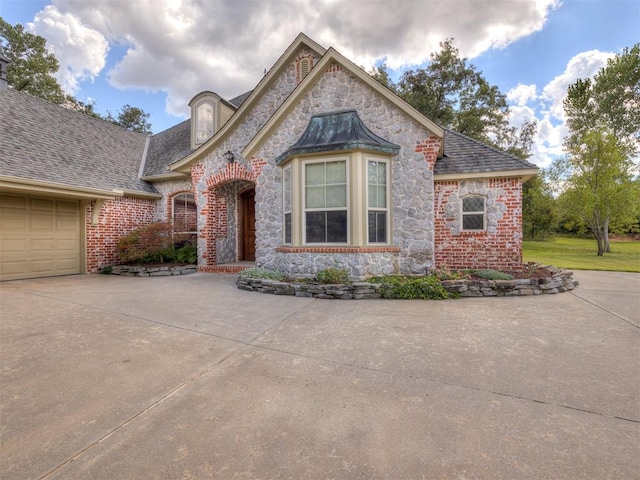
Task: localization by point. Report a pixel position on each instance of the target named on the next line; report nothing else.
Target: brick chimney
(4, 63)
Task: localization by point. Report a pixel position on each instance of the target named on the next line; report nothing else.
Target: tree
(599, 184)
(539, 210)
(453, 94)
(31, 66)
(611, 101)
(132, 118)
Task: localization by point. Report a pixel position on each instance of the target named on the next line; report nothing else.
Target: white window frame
(304, 208)
(368, 209)
(482, 212)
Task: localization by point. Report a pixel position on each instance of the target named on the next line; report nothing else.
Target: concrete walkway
(108, 377)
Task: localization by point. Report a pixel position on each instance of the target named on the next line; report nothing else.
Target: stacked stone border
(152, 271)
(559, 281)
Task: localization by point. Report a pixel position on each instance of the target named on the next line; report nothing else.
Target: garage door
(39, 237)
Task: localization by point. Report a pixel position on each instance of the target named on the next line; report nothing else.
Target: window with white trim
(377, 201)
(325, 202)
(184, 214)
(204, 122)
(473, 213)
(286, 204)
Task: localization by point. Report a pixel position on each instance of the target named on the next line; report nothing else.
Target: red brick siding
(215, 208)
(430, 149)
(500, 250)
(117, 218)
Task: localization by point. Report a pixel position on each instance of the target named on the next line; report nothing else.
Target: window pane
(377, 227)
(473, 204)
(286, 180)
(315, 197)
(473, 221)
(287, 228)
(336, 172)
(316, 227)
(337, 227)
(337, 196)
(184, 213)
(314, 174)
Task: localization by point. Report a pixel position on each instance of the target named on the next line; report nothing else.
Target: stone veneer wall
(117, 218)
(500, 245)
(412, 185)
(214, 166)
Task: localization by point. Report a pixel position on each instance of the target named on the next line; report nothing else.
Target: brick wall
(117, 218)
(499, 246)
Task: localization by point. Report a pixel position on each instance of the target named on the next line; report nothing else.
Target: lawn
(581, 254)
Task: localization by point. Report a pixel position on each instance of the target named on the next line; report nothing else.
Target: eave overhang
(525, 174)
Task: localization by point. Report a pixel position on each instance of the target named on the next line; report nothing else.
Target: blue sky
(157, 54)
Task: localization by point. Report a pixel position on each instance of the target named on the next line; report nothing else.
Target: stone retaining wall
(560, 281)
(152, 271)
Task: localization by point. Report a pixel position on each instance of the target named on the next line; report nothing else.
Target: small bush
(489, 274)
(332, 275)
(154, 243)
(107, 270)
(187, 254)
(405, 287)
(262, 274)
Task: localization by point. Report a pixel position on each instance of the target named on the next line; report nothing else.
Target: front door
(248, 237)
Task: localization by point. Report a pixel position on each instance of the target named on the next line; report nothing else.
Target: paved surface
(108, 377)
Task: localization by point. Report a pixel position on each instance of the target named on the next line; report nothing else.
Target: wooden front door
(248, 235)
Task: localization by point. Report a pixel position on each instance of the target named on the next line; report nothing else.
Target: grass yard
(581, 254)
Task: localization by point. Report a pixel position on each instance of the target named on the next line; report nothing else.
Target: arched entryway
(247, 250)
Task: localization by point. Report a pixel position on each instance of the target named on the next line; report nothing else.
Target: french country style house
(319, 165)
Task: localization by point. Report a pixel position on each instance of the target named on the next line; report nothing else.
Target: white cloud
(184, 46)
(546, 107)
(522, 94)
(81, 51)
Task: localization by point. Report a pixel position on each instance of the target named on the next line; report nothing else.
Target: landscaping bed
(534, 280)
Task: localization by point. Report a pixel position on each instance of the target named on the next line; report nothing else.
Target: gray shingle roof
(466, 155)
(239, 100)
(168, 147)
(43, 141)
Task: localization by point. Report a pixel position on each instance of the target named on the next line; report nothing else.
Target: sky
(158, 54)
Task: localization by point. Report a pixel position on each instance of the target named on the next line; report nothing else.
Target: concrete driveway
(108, 377)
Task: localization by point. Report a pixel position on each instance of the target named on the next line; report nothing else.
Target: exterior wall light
(229, 156)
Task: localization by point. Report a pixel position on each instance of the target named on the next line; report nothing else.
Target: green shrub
(332, 275)
(154, 243)
(187, 254)
(262, 274)
(489, 274)
(107, 270)
(405, 287)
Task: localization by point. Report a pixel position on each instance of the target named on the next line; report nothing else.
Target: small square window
(473, 214)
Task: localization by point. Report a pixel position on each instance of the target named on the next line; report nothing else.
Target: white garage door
(39, 237)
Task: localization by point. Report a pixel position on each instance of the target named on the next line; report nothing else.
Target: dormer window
(204, 122)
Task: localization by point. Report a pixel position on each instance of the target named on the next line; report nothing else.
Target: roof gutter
(24, 185)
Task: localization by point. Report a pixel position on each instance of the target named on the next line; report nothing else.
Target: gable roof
(314, 75)
(48, 143)
(166, 148)
(465, 156)
(252, 97)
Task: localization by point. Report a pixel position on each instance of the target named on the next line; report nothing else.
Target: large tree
(599, 186)
(451, 92)
(603, 116)
(611, 101)
(539, 210)
(31, 66)
(131, 118)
